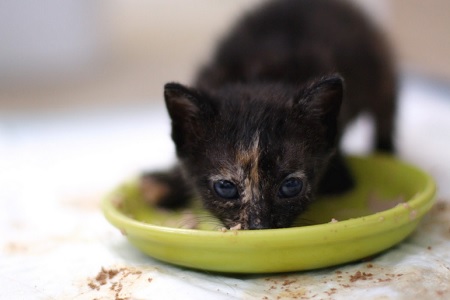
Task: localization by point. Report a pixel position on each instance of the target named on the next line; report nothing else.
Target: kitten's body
(257, 138)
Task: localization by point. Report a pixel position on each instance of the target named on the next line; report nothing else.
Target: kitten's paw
(153, 190)
(165, 189)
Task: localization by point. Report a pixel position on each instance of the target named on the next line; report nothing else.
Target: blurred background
(65, 54)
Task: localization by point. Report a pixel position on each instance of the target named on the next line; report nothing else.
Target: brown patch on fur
(248, 160)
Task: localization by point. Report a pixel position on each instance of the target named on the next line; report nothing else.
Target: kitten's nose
(257, 223)
(258, 215)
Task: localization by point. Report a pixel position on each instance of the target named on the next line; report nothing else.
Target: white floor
(54, 169)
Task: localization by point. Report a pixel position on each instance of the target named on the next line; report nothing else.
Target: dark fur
(269, 106)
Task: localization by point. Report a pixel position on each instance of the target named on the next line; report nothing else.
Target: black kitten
(257, 138)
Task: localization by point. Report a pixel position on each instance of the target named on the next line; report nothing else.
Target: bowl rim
(417, 206)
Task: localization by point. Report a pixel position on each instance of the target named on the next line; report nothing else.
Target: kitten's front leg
(384, 123)
(165, 189)
(337, 178)
(384, 113)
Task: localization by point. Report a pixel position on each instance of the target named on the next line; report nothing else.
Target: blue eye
(226, 189)
(290, 187)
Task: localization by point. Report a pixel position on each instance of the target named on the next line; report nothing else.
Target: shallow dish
(388, 203)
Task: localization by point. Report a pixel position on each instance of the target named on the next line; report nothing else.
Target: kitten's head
(255, 153)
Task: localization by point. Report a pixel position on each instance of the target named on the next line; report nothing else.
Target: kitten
(257, 136)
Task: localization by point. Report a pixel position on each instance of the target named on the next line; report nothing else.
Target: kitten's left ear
(183, 103)
(323, 98)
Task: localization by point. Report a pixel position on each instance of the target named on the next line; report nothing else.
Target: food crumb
(102, 276)
(360, 276)
(288, 282)
(150, 279)
(112, 273)
(113, 279)
(369, 266)
(93, 286)
(332, 291)
(429, 248)
(333, 220)
(236, 227)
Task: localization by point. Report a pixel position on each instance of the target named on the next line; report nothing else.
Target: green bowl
(389, 201)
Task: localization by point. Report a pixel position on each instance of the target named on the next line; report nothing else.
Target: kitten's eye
(290, 187)
(226, 189)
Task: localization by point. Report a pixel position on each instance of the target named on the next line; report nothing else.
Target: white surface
(54, 240)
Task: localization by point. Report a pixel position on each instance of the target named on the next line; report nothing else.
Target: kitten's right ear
(187, 109)
(324, 97)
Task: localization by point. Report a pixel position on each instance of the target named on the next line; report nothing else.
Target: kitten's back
(294, 41)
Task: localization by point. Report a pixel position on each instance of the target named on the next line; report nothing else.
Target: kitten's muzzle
(258, 217)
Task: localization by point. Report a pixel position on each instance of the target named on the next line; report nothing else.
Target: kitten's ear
(323, 98)
(188, 110)
(320, 103)
(182, 103)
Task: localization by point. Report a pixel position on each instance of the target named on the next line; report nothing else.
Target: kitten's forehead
(244, 162)
(253, 105)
